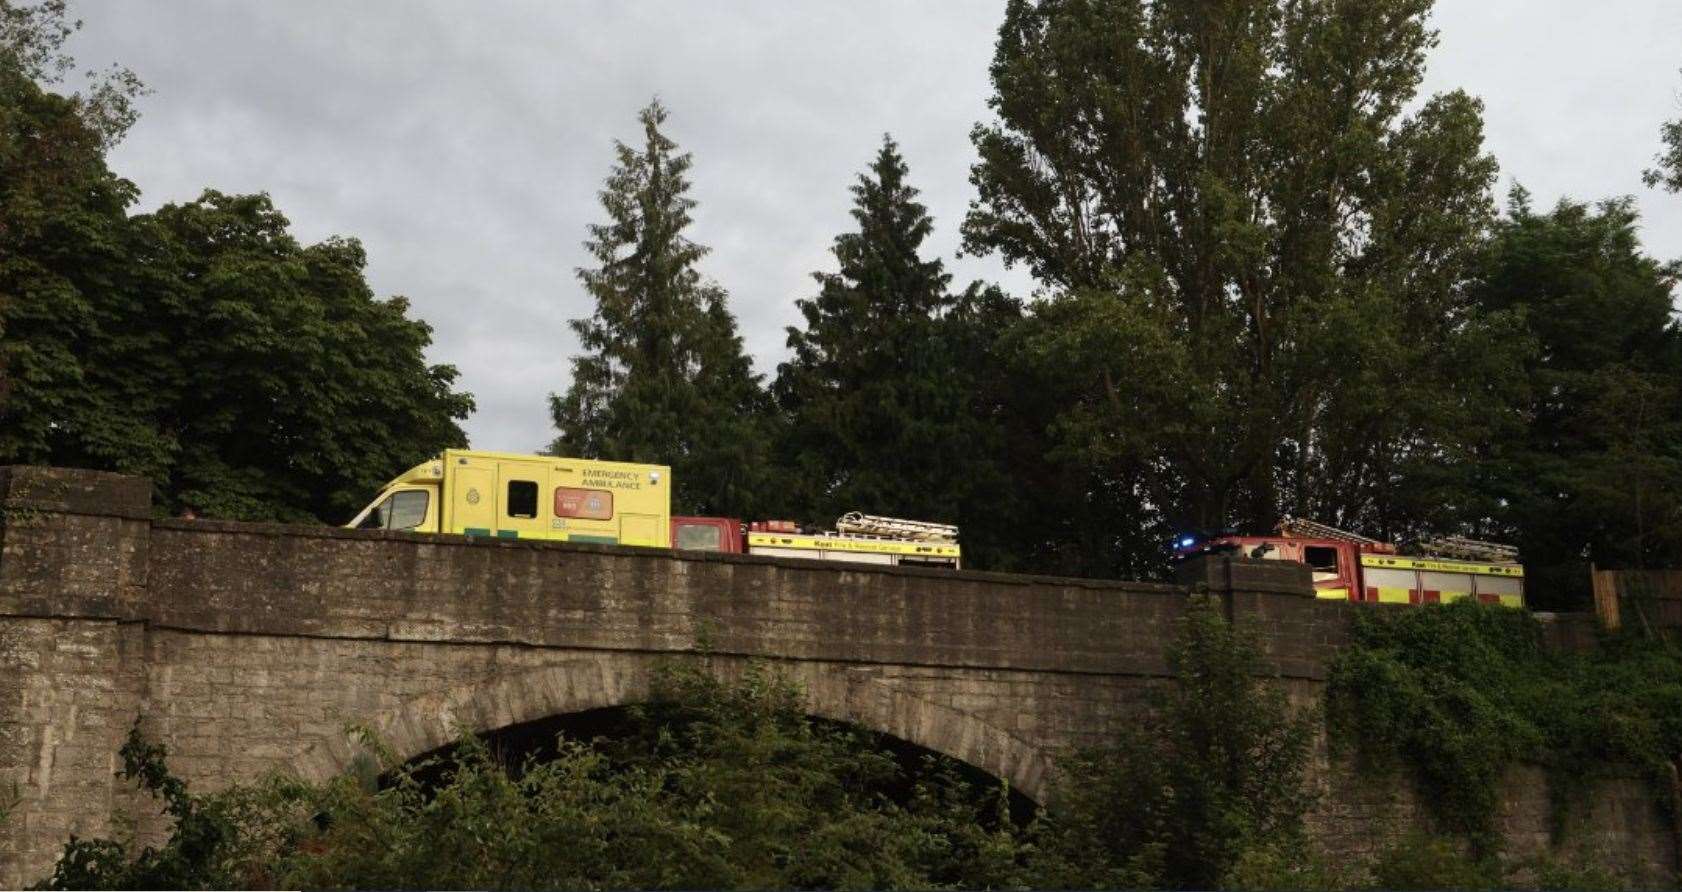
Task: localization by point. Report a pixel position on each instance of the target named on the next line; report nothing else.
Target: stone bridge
(247, 648)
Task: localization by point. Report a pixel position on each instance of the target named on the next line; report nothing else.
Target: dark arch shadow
(863, 697)
(537, 740)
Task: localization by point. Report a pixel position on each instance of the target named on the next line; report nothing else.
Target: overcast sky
(464, 142)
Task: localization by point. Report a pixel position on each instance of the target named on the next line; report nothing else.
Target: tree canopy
(1272, 280)
(64, 243)
(1254, 255)
(250, 377)
(1597, 474)
(285, 388)
(1668, 172)
(662, 377)
(880, 393)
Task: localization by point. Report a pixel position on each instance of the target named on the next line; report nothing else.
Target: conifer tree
(662, 377)
(876, 395)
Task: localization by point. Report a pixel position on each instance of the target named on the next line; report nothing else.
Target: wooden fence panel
(1649, 601)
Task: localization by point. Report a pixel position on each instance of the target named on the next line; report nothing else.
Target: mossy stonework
(246, 648)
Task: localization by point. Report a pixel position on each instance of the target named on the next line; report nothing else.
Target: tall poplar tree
(1668, 172)
(1256, 256)
(662, 377)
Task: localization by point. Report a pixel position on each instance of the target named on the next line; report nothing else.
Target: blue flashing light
(1188, 541)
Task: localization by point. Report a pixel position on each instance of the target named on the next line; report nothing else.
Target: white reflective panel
(859, 557)
(1500, 585)
(1449, 585)
(1388, 577)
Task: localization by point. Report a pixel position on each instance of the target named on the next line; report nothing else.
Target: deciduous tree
(1668, 172)
(285, 388)
(1255, 254)
(201, 346)
(1597, 475)
(65, 246)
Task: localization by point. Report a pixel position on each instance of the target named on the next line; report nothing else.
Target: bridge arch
(861, 696)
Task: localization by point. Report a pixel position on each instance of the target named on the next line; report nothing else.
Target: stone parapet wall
(251, 647)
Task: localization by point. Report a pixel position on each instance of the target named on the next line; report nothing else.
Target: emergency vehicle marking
(874, 546)
(1440, 566)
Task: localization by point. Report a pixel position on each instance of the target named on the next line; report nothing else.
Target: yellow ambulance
(475, 493)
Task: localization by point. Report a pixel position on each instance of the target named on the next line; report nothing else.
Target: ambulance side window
(522, 498)
(408, 510)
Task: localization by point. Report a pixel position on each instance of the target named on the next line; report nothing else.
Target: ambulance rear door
(471, 496)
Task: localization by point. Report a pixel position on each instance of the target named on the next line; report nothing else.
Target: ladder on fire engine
(859, 524)
(1462, 548)
(1308, 529)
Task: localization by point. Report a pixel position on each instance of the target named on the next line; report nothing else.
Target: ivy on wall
(1455, 695)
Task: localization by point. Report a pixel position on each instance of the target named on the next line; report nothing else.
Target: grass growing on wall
(1455, 695)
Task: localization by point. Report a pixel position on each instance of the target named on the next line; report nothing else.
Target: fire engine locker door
(472, 499)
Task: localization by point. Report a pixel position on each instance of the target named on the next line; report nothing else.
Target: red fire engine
(1347, 566)
(857, 538)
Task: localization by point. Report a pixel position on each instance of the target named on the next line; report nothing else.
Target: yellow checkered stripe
(861, 546)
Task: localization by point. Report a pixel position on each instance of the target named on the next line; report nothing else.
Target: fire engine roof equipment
(858, 524)
(1462, 548)
(1299, 528)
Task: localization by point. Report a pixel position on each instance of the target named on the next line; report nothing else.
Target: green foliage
(64, 240)
(1253, 255)
(1284, 866)
(720, 786)
(1422, 861)
(1456, 695)
(1597, 474)
(286, 390)
(1575, 874)
(662, 377)
(1211, 790)
(195, 856)
(884, 398)
(868, 390)
(9, 800)
(32, 42)
(1668, 173)
(250, 377)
